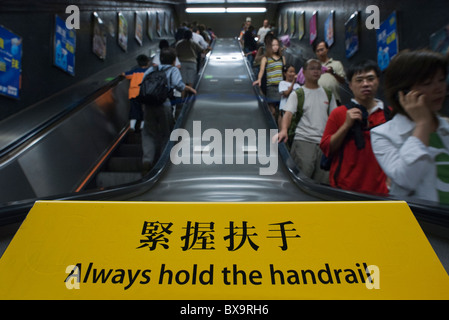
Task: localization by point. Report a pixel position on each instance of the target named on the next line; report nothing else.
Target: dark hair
(409, 68)
(168, 56)
(267, 40)
(142, 60)
(317, 42)
(362, 66)
(285, 68)
(187, 35)
(269, 49)
(163, 44)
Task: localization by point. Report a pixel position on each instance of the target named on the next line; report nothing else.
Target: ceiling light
(245, 1)
(205, 2)
(246, 10)
(223, 1)
(205, 10)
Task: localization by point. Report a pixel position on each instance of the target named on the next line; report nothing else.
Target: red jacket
(359, 170)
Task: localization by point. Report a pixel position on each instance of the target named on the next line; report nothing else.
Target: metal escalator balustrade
(124, 166)
(59, 156)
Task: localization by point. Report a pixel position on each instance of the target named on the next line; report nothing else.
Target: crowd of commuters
(399, 146)
(181, 63)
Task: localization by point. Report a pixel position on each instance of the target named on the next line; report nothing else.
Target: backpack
(325, 163)
(299, 112)
(154, 89)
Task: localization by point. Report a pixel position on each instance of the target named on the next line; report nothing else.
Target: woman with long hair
(413, 148)
(272, 63)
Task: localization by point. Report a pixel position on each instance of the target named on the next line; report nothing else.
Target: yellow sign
(218, 251)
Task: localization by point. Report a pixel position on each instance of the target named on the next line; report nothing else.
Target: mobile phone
(405, 92)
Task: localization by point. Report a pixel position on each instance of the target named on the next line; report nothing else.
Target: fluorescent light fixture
(246, 10)
(245, 1)
(205, 10)
(223, 1)
(204, 2)
(228, 10)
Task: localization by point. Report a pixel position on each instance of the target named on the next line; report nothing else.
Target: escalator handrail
(57, 118)
(16, 211)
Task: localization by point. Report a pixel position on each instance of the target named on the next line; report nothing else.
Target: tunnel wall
(34, 21)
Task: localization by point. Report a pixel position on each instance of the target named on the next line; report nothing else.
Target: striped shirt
(274, 71)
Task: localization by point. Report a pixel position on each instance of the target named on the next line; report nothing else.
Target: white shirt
(200, 40)
(329, 81)
(262, 33)
(157, 60)
(316, 111)
(406, 160)
(379, 105)
(283, 86)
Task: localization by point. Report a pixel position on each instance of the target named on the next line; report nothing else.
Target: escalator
(226, 100)
(44, 158)
(226, 105)
(123, 166)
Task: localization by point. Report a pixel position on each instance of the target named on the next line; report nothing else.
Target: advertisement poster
(301, 28)
(439, 42)
(159, 23)
(10, 63)
(150, 24)
(352, 35)
(172, 25)
(329, 29)
(285, 22)
(122, 32)
(387, 41)
(139, 29)
(64, 47)
(292, 23)
(313, 27)
(167, 16)
(99, 37)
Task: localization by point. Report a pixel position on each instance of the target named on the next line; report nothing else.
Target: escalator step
(129, 150)
(133, 138)
(124, 164)
(109, 179)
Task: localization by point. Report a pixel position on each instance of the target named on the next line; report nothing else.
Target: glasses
(368, 79)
